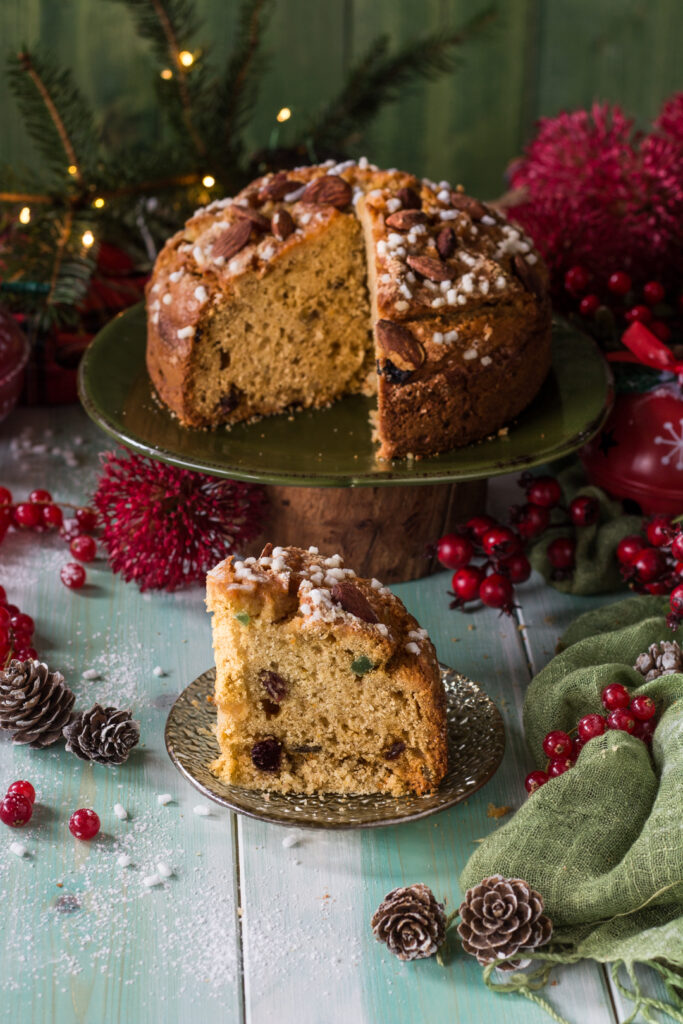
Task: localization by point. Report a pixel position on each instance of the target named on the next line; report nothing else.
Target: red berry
(72, 575)
(619, 283)
(621, 719)
(40, 496)
(659, 531)
(530, 520)
(84, 824)
(653, 292)
(629, 547)
(496, 591)
(678, 568)
(615, 696)
(642, 314)
(677, 547)
(5, 496)
(5, 636)
(558, 766)
(517, 567)
(26, 515)
(466, 582)
(584, 511)
(561, 553)
(52, 516)
(645, 730)
(12, 609)
(643, 708)
(676, 600)
(24, 789)
(5, 616)
(500, 541)
(659, 588)
(557, 744)
(22, 623)
(27, 654)
(86, 519)
(454, 550)
(83, 548)
(589, 305)
(576, 280)
(648, 565)
(3, 596)
(16, 810)
(544, 490)
(590, 726)
(478, 526)
(660, 330)
(577, 747)
(535, 780)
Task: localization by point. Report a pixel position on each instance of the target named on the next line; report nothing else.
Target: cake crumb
(497, 812)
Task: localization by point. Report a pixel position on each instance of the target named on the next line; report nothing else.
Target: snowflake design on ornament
(675, 442)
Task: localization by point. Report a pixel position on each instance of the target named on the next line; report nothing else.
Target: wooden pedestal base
(380, 531)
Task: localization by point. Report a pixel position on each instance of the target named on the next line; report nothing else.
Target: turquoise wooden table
(246, 929)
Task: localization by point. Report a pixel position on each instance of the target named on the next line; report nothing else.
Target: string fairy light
(72, 169)
(186, 58)
(25, 215)
(166, 74)
(283, 115)
(208, 181)
(98, 203)
(88, 239)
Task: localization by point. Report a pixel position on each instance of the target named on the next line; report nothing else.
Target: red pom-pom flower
(166, 527)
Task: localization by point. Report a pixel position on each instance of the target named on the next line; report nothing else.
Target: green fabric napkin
(603, 843)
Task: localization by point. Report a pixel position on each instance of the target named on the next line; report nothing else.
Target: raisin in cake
(335, 279)
(324, 682)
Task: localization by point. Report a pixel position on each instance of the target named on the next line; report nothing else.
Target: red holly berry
(477, 526)
(25, 515)
(543, 490)
(39, 496)
(84, 824)
(517, 567)
(677, 546)
(52, 516)
(615, 696)
(622, 720)
(496, 592)
(629, 548)
(584, 511)
(86, 519)
(590, 726)
(676, 600)
(500, 541)
(589, 305)
(576, 280)
(641, 314)
(72, 575)
(645, 730)
(5, 496)
(23, 788)
(83, 548)
(648, 565)
(454, 550)
(658, 589)
(643, 708)
(535, 780)
(557, 744)
(659, 531)
(16, 810)
(653, 292)
(530, 520)
(619, 283)
(660, 330)
(561, 553)
(558, 766)
(466, 582)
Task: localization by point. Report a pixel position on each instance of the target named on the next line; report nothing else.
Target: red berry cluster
(633, 715)
(16, 632)
(652, 563)
(618, 295)
(40, 514)
(16, 811)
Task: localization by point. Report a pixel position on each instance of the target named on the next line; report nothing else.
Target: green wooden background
(539, 57)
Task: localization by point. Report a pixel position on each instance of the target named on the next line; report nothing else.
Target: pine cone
(661, 659)
(103, 735)
(411, 922)
(35, 705)
(500, 917)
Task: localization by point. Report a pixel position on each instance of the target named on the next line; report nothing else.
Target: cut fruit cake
(335, 279)
(324, 682)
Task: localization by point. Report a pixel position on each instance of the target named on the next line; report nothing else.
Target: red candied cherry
(660, 330)
(496, 592)
(648, 565)
(72, 575)
(52, 516)
(629, 548)
(622, 720)
(584, 510)
(653, 292)
(23, 788)
(23, 623)
(84, 824)
(83, 548)
(589, 305)
(535, 780)
(16, 810)
(542, 490)
(659, 531)
(558, 766)
(590, 726)
(529, 520)
(26, 515)
(517, 567)
(454, 550)
(643, 708)
(557, 743)
(477, 526)
(39, 496)
(577, 279)
(500, 541)
(640, 314)
(615, 696)
(5, 496)
(645, 730)
(676, 600)
(466, 582)
(87, 519)
(561, 553)
(619, 283)
(677, 547)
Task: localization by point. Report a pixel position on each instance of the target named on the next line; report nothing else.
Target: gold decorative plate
(476, 742)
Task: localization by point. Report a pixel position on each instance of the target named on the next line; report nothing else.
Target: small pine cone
(661, 659)
(500, 917)
(103, 735)
(411, 922)
(35, 705)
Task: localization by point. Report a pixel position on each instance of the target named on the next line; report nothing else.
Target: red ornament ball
(23, 788)
(466, 582)
(561, 553)
(584, 510)
(557, 743)
(535, 780)
(619, 282)
(496, 591)
(454, 550)
(72, 575)
(615, 696)
(16, 810)
(84, 824)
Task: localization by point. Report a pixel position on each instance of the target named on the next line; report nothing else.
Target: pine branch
(378, 79)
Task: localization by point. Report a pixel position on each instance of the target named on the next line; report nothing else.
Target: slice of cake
(324, 682)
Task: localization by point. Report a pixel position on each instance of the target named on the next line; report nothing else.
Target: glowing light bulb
(283, 115)
(186, 58)
(25, 215)
(72, 169)
(98, 203)
(166, 74)
(208, 181)
(88, 239)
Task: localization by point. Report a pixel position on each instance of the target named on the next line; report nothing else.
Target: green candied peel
(362, 665)
(243, 617)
